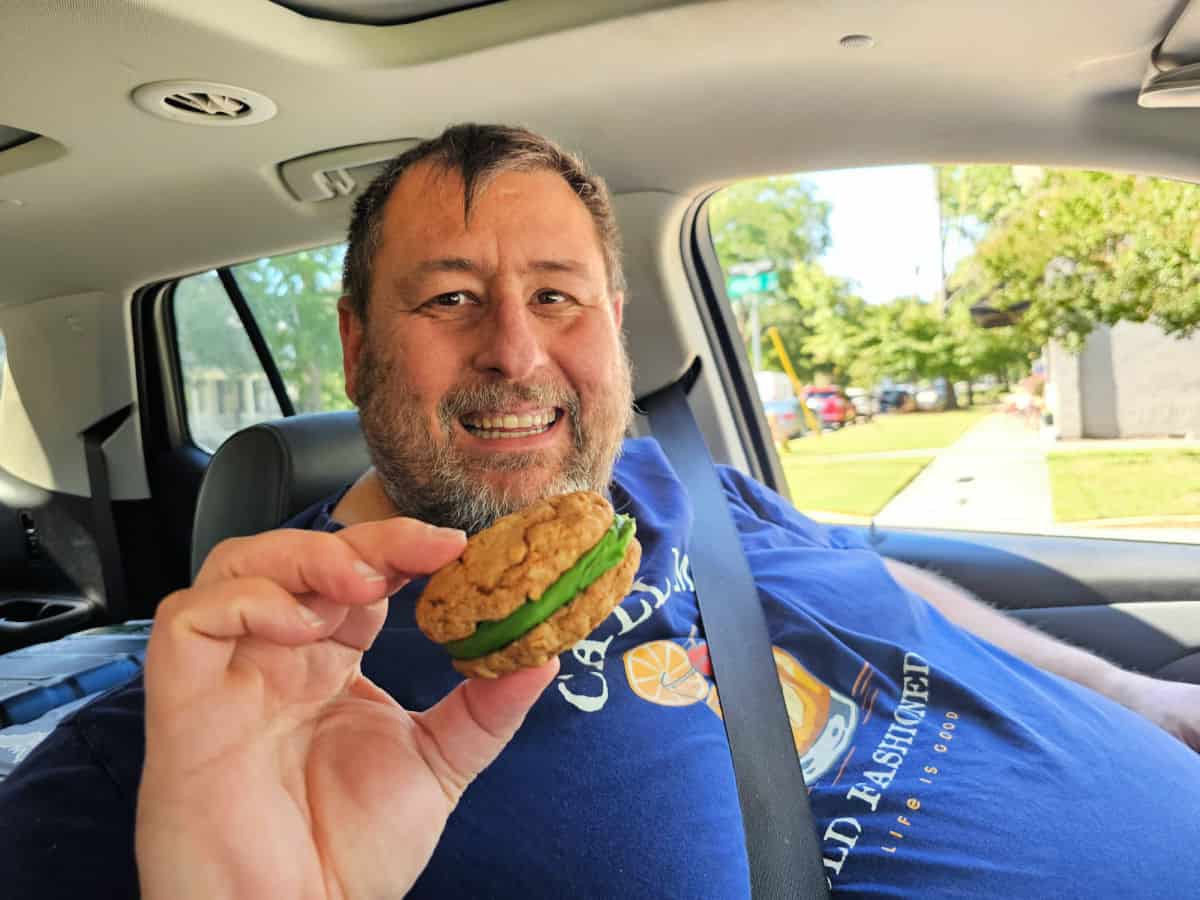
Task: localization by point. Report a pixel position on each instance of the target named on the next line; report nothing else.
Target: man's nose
(511, 343)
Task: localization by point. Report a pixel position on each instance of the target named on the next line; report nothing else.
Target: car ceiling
(659, 95)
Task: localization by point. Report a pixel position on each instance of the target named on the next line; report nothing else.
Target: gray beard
(429, 479)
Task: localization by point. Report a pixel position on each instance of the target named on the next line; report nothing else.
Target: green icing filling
(491, 636)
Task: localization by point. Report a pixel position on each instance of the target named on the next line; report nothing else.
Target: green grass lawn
(858, 487)
(1121, 484)
(893, 431)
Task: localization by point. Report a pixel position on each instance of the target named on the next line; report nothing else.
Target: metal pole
(756, 333)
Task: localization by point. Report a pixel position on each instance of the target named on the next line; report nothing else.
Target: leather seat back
(265, 474)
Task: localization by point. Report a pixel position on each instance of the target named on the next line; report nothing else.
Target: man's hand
(274, 768)
(1172, 705)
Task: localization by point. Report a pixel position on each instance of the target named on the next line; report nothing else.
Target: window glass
(225, 387)
(1003, 348)
(294, 300)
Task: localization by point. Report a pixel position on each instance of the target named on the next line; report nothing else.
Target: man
(481, 328)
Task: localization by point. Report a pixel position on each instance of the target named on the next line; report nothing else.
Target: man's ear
(618, 308)
(352, 330)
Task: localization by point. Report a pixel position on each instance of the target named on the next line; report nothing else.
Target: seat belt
(781, 834)
(104, 523)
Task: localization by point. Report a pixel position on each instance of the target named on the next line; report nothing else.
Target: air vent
(207, 104)
(204, 103)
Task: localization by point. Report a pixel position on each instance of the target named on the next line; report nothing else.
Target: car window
(1001, 348)
(224, 385)
(292, 300)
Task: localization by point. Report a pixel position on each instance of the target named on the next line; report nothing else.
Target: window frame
(257, 341)
(707, 282)
(179, 423)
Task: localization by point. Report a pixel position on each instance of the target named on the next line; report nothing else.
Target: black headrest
(265, 474)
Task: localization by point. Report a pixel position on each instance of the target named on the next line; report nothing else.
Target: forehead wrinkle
(448, 264)
(572, 266)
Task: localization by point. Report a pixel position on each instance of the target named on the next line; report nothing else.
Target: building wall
(1062, 391)
(1130, 380)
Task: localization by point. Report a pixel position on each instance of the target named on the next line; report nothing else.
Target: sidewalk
(994, 477)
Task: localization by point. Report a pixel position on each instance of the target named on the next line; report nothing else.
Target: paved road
(994, 477)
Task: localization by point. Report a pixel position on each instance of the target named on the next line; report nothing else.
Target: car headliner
(659, 95)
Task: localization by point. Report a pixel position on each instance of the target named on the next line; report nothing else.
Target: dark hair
(478, 153)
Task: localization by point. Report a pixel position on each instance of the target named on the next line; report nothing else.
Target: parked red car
(835, 411)
(830, 405)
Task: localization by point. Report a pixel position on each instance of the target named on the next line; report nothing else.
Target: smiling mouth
(498, 426)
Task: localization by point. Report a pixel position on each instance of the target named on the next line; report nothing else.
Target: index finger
(356, 565)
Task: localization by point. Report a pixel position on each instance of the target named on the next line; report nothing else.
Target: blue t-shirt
(940, 766)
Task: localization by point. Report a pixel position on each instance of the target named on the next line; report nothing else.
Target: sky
(884, 225)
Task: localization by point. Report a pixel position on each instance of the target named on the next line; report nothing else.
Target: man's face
(490, 372)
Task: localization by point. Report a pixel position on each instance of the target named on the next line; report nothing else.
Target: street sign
(741, 285)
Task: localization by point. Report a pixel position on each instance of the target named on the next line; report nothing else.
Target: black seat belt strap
(781, 836)
(104, 523)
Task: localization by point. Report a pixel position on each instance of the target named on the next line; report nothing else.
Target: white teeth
(497, 435)
(509, 421)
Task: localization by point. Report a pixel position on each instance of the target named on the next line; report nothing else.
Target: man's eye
(451, 300)
(552, 298)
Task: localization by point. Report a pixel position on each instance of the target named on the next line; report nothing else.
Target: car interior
(145, 142)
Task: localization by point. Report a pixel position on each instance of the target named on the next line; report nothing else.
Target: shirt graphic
(674, 673)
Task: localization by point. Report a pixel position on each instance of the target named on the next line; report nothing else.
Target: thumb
(475, 721)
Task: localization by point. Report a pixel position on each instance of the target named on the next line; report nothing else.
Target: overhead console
(379, 12)
(1173, 76)
(21, 149)
(341, 172)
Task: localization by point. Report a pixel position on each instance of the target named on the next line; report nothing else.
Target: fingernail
(366, 571)
(448, 532)
(311, 619)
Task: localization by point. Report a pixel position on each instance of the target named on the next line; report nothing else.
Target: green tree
(294, 301)
(1088, 248)
(974, 198)
(778, 220)
(834, 338)
(210, 334)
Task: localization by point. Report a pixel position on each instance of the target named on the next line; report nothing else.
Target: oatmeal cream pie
(532, 585)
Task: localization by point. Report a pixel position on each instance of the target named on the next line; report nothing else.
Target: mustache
(489, 396)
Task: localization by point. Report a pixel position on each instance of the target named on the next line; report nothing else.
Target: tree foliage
(777, 220)
(1087, 249)
(824, 325)
(294, 300)
(210, 334)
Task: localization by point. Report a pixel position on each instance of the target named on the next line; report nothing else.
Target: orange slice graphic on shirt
(661, 672)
